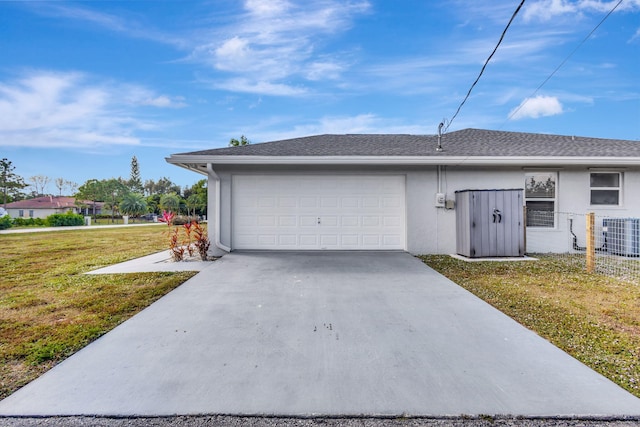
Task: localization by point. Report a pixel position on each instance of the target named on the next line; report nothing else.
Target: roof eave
(191, 162)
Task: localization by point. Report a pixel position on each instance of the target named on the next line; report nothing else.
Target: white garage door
(318, 212)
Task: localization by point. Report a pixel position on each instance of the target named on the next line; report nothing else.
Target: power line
(513, 113)
(486, 63)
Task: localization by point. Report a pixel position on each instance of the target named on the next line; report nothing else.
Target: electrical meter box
(490, 223)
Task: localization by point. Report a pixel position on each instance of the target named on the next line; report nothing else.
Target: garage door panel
(328, 240)
(267, 239)
(349, 240)
(287, 202)
(392, 202)
(349, 221)
(349, 202)
(391, 221)
(391, 240)
(288, 221)
(287, 240)
(266, 221)
(318, 212)
(308, 221)
(370, 202)
(308, 240)
(328, 221)
(370, 221)
(329, 202)
(371, 240)
(308, 202)
(267, 202)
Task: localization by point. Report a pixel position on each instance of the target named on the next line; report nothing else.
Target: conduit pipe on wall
(217, 241)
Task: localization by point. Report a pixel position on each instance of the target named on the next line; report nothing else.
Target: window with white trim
(540, 195)
(30, 214)
(21, 213)
(605, 188)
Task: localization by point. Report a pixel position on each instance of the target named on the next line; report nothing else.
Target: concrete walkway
(321, 334)
(158, 262)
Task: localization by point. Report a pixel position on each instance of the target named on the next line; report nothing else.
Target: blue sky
(85, 85)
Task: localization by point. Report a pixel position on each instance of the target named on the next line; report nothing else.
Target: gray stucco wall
(431, 230)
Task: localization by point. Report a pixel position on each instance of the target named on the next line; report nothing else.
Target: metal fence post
(591, 242)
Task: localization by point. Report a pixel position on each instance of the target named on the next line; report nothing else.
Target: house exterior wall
(431, 230)
(37, 213)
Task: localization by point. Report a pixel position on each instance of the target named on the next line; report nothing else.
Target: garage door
(318, 212)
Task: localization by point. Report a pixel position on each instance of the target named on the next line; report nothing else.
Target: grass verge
(594, 318)
(49, 309)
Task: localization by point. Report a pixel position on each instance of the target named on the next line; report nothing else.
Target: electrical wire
(513, 113)
(485, 64)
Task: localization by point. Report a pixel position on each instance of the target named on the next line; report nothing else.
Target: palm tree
(170, 202)
(133, 204)
(194, 202)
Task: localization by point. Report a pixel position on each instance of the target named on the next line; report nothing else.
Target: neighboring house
(396, 192)
(42, 207)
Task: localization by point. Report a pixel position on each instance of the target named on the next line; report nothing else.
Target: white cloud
(360, 123)
(266, 7)
(322, 70)
(540, 106)
(48, 109)
(274, 41)
(114, 23)
(262, 87)
(545, 10)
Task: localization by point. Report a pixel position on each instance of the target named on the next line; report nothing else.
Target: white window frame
(21, 213)
(554, 175)
(618, 188)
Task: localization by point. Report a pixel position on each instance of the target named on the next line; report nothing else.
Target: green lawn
(49, 309)
(594, 318)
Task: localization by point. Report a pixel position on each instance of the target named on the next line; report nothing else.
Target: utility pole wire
(486, 63)
(513, 113)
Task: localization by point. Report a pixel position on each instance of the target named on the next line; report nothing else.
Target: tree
(135, 182)
(90, 191)
(60, 183)
(39, 183)
(153, 203)
(196, 197)
(163, 186)
(193, 202)
(9, 181)
(133, 204)
(72, 186)
(170, 202)
(113, 191)
(237, 143)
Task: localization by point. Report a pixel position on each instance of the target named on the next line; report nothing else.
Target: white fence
(602, 244)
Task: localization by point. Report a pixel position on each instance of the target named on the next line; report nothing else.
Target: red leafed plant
(175, 246)
(195, 240)
(187, 240)
(167, 217)
(202, 241)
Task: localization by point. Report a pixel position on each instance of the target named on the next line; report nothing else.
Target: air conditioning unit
(622, 236)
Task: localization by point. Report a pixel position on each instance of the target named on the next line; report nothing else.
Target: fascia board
(186, 161)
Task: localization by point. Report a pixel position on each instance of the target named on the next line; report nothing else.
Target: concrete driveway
(321, 334)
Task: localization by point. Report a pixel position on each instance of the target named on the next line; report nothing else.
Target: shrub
(29, 222)
(182, 220)
(65, 220)
(5, 222)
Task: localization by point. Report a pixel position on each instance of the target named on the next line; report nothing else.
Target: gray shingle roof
(467, 142)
